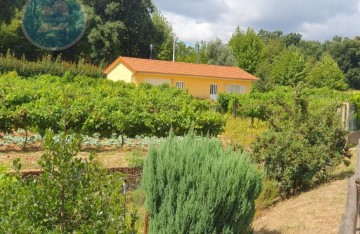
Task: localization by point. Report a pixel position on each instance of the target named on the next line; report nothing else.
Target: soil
(317, 211)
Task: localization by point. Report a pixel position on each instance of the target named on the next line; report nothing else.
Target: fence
(350, 221)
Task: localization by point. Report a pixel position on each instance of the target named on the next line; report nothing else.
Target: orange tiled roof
(137, 65)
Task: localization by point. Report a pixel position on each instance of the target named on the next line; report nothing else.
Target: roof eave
(189, 75)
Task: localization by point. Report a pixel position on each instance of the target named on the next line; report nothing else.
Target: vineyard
(101, 107)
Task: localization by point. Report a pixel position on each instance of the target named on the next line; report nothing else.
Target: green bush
(304, 143)
(194, 186)
(47, 65)
(70, 196)
(101, 106)
(269, 195)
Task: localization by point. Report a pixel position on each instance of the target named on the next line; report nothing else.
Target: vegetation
(101, 106)
(289, 123)
(47, 65)
(193, 185)
(70, 195)
(304, 144)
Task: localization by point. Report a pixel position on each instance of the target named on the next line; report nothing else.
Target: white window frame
(234, 88)
(179, 84)
(213, 92)
(213, 89)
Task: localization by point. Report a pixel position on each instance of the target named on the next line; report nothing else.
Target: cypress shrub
(193, 185)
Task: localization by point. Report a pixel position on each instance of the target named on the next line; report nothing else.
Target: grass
(240, 133)
(136, 201)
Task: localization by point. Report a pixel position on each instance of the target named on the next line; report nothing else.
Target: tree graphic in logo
(53, 24)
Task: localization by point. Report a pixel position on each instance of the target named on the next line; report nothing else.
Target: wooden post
(349, 219)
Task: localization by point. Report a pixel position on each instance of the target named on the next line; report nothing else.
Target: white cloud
(316, 20)
(189, 29)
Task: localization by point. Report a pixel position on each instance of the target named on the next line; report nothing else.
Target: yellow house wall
(197, 86)
(120, 72)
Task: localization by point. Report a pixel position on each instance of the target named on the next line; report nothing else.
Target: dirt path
(318, 211)
(113, 158)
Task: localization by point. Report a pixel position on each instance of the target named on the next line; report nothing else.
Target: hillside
(317, 211)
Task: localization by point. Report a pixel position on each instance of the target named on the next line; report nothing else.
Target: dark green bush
(305, 142)
(195, 186)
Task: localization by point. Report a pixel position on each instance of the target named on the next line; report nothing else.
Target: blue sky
(195, 20)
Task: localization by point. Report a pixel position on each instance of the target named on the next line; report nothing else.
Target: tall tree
(8, 9)
(267, 36)
(247, 47)
(326, 73)
(289, 68)
(353, 78)
(218, 53)
(164, 37)
(292, 39)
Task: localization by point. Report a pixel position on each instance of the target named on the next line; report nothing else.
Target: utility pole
(197, 52)
(174, 43)
(151, 50)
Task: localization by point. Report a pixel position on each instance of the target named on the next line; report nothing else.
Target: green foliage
(126, 27)
(47, 65)
(135, 158)
(247, 48)
(218, 53)
(305, 142)
(194, 186)
(289, 68)
(8, 9)
(269, 195)
(90, 106)
(326, 73)
(164, 51)
(71, 195)
(353, 78)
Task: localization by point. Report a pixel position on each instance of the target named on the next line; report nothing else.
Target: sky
(195, 20)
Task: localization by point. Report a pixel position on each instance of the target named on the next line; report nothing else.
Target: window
(235, 89)
(213, 89)
(180, 84)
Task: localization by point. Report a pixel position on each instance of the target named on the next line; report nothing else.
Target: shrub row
(47, 65)
(90, 106)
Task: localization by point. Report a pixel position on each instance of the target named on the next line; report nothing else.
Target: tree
(289, 68)
(194, 185)
(346, 52)
(353, 78)
(312, 50)
(165, 37)
(218, 53)
(185, 53)
(267, 36)
(326, 73)
(247, 48)
(292, 39)
(8, 9)
(69, 196)
(113, 28)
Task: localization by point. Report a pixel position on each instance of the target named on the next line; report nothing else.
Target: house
(201, 80)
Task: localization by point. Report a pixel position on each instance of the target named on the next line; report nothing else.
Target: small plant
(269, 195)
(135, 158)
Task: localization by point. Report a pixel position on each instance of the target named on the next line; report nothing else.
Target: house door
(213, 92)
